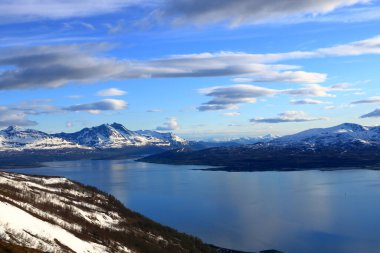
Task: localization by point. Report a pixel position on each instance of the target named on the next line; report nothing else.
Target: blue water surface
(295, 212)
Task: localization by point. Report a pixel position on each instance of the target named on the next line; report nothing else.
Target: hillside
(57, 215)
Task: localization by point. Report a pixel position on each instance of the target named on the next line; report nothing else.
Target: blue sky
(200, 69)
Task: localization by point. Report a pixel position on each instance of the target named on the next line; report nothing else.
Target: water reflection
(310, 211)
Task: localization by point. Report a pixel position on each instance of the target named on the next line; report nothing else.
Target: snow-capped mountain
(14, 138)
(106, 136)
(341, 135)
(117, 136)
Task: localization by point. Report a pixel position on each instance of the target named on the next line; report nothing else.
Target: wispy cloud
(229, 97)
(286, 76)
(115, 28)
(181, 12)
(154, 110)
(288, 116)
(74, 96)
(30, 10)
(371, 100)
(307, 102)
(239, 12)
(97, 107)
(71, 25)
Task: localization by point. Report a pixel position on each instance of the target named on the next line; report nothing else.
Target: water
(296, 212)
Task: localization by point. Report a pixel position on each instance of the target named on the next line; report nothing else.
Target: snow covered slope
(25, 222)
(345, 134)
(56, 215)
(14, 138)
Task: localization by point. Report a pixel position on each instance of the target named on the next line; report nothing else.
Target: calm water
(296, 212)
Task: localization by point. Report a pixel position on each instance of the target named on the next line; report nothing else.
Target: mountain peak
(13, 129)
(352, 126)
(115, 124)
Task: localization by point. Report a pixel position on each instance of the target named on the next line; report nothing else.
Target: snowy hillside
(14, 138)
(57, 215)
(341, 135)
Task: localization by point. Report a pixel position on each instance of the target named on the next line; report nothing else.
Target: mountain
(14, 138)
(347, 134)
(106, 136)
(170, 138)
(115, 136)
(52, 214)
(345, 145)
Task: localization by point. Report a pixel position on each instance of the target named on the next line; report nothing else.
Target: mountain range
(346, 134)
(116, 136)
(345, 145)
(106, 136)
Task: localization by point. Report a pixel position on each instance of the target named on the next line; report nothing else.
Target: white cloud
(288, 116)
(232, 114)
(55, 66)
(170, 125)
(287, 76)
(11, 117)
(111, 92)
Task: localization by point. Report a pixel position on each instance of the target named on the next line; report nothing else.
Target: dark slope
(264, 158)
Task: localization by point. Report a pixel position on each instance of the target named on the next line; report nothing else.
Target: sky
(201, 69)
